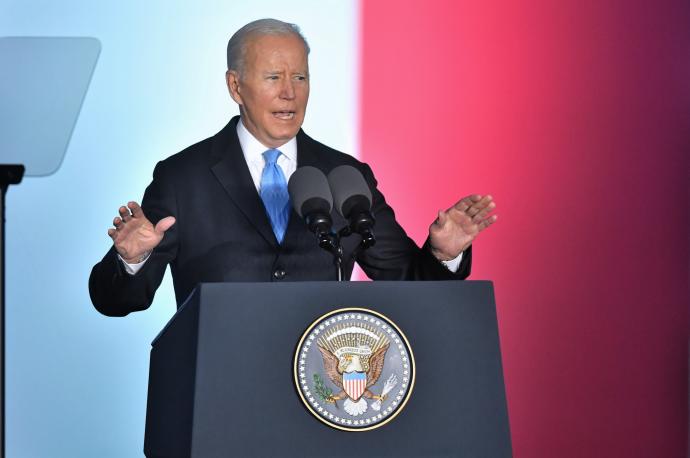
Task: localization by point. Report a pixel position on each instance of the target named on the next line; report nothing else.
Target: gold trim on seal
(413, 368)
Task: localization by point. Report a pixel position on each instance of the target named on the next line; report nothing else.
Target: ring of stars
(394, 399)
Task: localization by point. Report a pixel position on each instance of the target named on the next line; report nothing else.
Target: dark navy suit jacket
(222, 232)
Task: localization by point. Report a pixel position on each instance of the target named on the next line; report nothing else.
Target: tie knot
(271, 156)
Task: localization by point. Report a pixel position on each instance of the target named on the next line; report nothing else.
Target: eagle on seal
(354, 374)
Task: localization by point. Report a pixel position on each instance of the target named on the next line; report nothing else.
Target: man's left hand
(455, 229)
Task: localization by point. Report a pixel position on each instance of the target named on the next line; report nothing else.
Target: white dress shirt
(253, 151)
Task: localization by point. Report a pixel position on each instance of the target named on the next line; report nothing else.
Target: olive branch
(322, 390)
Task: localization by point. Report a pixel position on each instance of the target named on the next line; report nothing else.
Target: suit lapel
(306, 153)
(233, 174)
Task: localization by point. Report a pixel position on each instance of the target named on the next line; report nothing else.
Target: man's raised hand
(455, 229)
(134, 236)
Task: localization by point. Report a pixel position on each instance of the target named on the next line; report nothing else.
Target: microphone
(352, 198)
(311, 198)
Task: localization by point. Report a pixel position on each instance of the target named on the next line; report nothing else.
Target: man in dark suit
(218, 211)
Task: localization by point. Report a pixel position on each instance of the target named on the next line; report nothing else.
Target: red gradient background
(575, 116)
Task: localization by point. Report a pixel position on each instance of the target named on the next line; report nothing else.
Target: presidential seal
(354, 369)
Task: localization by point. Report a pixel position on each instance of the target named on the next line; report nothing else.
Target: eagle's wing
(376, 365)
(330, 363)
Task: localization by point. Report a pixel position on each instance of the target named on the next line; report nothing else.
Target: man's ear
(232, 78)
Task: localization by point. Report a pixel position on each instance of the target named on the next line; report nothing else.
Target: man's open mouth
(287, 115)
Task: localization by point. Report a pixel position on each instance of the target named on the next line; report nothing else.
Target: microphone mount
(313, 196)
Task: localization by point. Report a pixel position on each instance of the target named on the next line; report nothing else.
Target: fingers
(483, 213)
(472, 201)
(124, 213)
(137, 212)
(473, 209)
(132, 210)
(127, 213)
(466, 202)
(479, 205)
(119, 224)
(165, 224)
(487, 222)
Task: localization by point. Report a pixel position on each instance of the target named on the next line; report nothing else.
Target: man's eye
(300, 78)
(273, 77)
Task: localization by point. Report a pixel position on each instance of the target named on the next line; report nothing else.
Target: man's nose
(288, 90)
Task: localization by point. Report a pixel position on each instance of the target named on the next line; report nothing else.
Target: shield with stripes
(354, 384)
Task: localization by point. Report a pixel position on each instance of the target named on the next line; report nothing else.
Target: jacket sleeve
(397, 257)
(113, 291)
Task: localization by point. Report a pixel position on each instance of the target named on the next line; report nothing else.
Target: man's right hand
(134, 236)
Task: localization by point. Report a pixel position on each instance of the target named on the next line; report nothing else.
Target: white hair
(237, 46)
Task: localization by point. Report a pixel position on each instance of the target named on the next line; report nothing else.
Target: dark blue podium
(221, 375)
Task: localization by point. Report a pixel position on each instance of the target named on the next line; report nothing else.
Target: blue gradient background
(76, 380)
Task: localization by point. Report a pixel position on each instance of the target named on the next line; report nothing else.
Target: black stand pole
(338, 259)
(330, 242)
(9, 174)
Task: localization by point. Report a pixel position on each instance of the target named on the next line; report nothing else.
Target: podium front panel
(241, 400)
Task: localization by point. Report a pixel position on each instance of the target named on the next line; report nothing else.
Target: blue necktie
(274, 193)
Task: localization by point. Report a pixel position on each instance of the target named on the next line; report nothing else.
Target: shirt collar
(253, 149)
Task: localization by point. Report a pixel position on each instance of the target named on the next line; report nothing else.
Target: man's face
(273, 89)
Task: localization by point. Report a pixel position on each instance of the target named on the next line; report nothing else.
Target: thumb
(437, 226)
(442, 218)
(165, 224)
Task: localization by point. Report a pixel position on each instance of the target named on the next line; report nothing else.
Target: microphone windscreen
(309, 191)
(349, 190)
